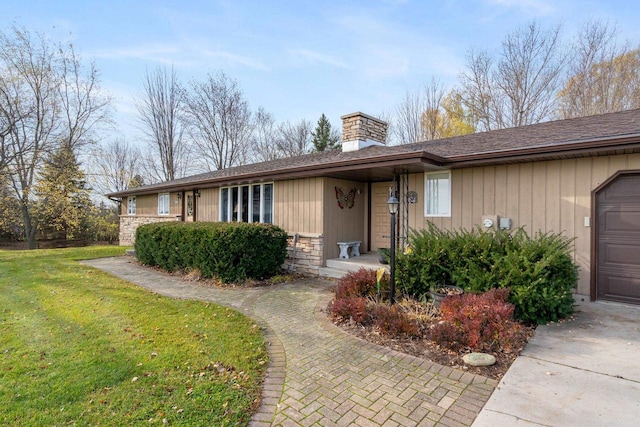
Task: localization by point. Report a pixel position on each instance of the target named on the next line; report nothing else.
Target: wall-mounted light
(197, 193)
(179, 196)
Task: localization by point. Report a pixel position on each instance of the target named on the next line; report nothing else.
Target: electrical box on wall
(489, 221)
(505, 223)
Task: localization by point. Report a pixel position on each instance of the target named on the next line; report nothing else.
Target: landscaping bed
(427, 349)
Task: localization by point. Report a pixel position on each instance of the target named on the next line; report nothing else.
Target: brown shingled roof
(600, 134)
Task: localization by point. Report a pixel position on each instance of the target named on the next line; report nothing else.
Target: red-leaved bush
(392, 320)
(350, 302)
(356, 284)
(481, 322)
(351, 308)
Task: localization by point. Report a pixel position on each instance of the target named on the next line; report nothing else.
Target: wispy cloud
(311, 57)
(530, 7)
(156, 53)
(185, 55)
(233, 58)
(386, 50)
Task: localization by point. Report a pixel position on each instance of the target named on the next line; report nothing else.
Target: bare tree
(520, 87)
(219, 121)
(83, 108)
(263, 141)
(115, 166)
(47, 102)
(603, 75)
(30, 110)
(431, 119)
(160, 113)
(294, 139)
(407, 123)
(420, 115)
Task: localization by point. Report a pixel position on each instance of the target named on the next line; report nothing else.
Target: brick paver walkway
(319, 375)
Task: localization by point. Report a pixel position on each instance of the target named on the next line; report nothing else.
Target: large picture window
(437, 197)
(247, 203)
(163, 204)
(131, 205)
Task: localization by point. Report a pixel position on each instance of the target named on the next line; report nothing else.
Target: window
(224, 203)
(247, 203)
(437, 197)
(163, 204)
(131, 205)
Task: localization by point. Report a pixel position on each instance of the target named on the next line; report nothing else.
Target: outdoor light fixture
(393, 204)
(196, 193)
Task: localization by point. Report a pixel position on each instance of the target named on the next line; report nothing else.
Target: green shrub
(231, 252)
(482, 322)
(539, 270)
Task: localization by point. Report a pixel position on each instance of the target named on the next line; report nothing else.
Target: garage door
(618, 240)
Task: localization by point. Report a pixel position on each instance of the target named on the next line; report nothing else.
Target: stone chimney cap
(358, 113)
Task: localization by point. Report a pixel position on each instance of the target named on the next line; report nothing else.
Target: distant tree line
(535, 76)
(54, 156)
(208, 125)
(53, 113)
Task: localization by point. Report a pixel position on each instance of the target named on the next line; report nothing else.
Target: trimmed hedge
(231, 252)
(539, 270)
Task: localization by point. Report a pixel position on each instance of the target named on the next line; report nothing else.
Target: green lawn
(80, 347)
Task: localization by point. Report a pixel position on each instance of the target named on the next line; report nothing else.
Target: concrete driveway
(581, 372)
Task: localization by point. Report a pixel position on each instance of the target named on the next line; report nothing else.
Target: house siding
(549, 196)
(298, 205)
(208, 205)
(344, 224)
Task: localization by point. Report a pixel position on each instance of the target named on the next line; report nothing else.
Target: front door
(380, 218)
(190, 208)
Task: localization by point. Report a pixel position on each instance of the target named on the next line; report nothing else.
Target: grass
(80, 347)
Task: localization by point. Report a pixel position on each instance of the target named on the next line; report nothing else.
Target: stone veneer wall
(129, 224)
(308, 254)
(362, 127)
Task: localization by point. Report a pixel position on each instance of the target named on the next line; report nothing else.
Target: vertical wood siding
(298, 205)
(208, 205)
(342, 224)
(147, 205)
(551, 196)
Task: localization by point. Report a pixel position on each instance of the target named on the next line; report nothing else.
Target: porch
(338, 267)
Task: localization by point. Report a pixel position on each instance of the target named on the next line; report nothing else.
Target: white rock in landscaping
(479, 359)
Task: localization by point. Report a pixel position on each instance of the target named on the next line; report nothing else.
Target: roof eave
(567, 150)
(319, 169)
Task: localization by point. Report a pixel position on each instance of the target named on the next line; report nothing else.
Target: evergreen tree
(325, 138)
(64, 208)
(10, 215)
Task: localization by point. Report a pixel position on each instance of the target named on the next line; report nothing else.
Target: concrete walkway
(581, 372)
(319, 375)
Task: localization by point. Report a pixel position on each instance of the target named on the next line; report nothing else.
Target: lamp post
(393, 204)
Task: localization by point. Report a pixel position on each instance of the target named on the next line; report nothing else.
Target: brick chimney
(360, 131)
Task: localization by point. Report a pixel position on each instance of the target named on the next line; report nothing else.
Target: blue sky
(298, 59)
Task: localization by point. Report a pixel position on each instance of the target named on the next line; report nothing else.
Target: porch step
(331, 272)
(339, 267)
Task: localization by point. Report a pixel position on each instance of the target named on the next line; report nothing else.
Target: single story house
(579, 176)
